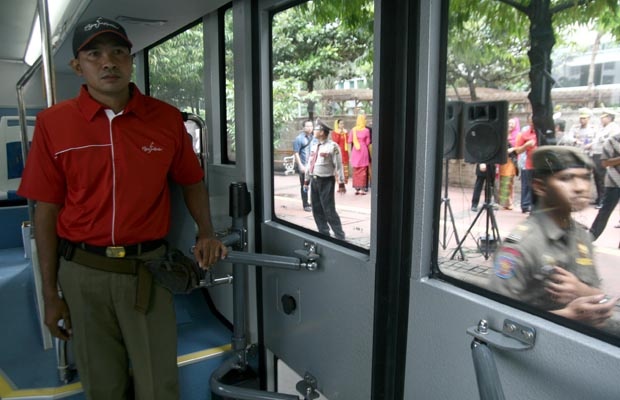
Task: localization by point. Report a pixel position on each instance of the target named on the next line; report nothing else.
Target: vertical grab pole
(487, 377)
(239, 208)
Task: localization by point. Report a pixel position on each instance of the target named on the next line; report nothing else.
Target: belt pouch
(176, 272)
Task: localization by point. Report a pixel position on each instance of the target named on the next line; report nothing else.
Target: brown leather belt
(131, 266)
(122, 251)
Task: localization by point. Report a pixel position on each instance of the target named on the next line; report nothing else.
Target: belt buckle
(115, 252)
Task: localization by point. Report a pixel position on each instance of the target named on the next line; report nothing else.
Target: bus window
(515, 218)
(322, 69)
(229, 71)
(176, 76)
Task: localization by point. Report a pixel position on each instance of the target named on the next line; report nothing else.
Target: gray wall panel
(330, 334)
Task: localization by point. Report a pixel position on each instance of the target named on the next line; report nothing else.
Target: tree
(479, 54)
(176, 70)
(540, 16)
(306, 50)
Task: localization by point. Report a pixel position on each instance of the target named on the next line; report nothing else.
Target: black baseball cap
(87, 30)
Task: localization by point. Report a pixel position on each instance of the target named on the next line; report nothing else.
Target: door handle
(514, 337)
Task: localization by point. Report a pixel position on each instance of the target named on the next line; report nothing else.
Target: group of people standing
(602, 145)
(521, 144)
(321, 161)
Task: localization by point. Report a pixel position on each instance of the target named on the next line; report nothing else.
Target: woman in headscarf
(339, 135)
(359, 139)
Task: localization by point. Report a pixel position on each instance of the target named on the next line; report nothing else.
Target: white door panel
(329, 334)
(563, 364)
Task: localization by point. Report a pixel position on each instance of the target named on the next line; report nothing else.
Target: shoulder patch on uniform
(506, 262)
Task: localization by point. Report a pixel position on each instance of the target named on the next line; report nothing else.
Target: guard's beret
(608, 113)
(551, 159)
(585, 113)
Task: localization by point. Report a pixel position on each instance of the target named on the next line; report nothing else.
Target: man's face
(319, 134)
(106, 65)
(584, 121)
(605, 120)
(568, 190)
(308, 126)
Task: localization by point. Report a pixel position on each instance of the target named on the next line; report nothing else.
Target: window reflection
(322, 68)
(229, 72)
(499, 225)
(176, 76)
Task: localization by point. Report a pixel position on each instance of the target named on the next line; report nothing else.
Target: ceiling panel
(16, 17)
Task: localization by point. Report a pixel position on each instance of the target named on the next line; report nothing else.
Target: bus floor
(28, 371)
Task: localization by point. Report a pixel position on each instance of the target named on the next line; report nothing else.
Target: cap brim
(90, 39)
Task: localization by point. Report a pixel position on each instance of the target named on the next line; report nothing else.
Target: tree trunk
(310, 102)
(471, 84)
(542, 40)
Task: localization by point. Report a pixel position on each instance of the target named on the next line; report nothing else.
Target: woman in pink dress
(359, 139)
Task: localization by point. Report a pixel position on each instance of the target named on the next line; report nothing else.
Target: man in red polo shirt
(98, 170)
(527, 142)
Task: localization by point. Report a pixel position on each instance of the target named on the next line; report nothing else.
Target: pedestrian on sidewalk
(324, 165)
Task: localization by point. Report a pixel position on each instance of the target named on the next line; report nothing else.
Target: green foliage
(352, 13)
(286, 98)
(307, 47)
(480, 55)
(489, 39)
(176, 70)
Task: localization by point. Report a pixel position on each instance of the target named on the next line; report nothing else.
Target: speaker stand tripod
(447, 211)
(491, 222)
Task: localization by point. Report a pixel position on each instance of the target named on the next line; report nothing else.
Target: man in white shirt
(324, 164)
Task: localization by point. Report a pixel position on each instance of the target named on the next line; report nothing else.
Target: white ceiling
(16, 18)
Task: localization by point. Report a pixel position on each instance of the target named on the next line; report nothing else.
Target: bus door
(317, 320)
(454, 313)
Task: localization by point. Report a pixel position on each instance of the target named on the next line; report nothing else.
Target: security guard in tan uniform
(547, 261)
(324, 165)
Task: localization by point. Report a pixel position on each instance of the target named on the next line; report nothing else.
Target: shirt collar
(90, 107)
(549, 227)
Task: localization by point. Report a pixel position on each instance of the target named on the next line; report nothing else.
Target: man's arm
(610, 162)
(300, 165)
(45, 219)
(208, 248)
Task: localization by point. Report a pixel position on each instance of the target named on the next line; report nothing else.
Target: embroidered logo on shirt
(506, 262)
(151, 148)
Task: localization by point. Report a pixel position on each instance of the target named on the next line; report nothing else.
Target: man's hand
(55, 310)
(208, 251)
(565, 287)
(593, 310)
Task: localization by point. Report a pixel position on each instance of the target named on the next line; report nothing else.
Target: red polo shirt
(109, 173)
(524, 137)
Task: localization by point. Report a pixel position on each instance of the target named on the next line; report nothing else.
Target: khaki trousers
(110, 337)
